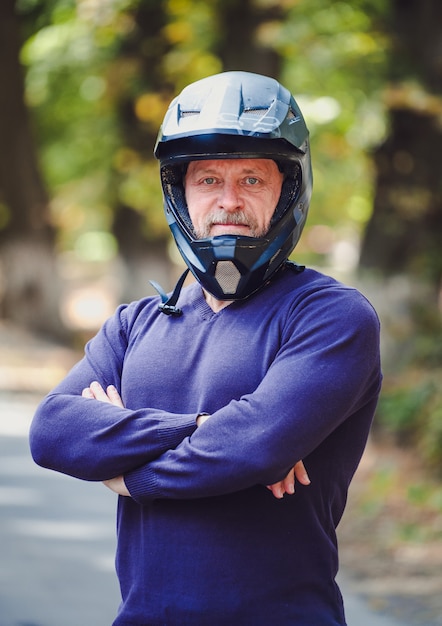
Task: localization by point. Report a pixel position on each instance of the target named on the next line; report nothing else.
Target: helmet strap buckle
(167, 305)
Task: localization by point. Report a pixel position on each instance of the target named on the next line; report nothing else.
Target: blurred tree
(334, 56)
(403, 239)
(142, 247)
(241, 29)
(404, 235)
(28, 277)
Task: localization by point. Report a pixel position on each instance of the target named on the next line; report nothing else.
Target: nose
(230, 197)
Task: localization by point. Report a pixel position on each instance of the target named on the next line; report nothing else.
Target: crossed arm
(96, 392)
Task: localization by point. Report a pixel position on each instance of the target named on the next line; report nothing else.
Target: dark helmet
(236, 115)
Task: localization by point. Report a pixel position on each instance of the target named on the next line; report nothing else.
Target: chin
(230, 230)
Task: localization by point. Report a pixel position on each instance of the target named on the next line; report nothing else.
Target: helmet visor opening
(219, 146)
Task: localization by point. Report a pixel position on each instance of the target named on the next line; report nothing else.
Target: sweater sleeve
(95, 440)
(326, 371)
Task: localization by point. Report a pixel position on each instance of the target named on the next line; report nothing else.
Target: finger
(87, 393)
(98, 392)
(289, 482)
(301, 473)
(114, 396)
(277, 490)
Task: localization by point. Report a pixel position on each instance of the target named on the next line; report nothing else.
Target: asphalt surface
(57, 538)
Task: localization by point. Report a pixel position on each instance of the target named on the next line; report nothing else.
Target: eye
(252, 180)
(209, 180)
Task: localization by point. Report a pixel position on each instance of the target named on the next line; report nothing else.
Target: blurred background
(84, 85)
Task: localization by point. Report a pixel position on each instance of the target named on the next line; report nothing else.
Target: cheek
(192, 204)
(197, 210)
(269, 208)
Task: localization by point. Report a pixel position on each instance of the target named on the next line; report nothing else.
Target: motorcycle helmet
(235, 115)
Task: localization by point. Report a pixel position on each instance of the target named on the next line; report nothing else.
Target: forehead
(264, 167)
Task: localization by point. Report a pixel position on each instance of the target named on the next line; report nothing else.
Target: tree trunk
(404, 235)
(142, 257)
(405, 231)
(28, 292)
(240, 45)
(403, 240)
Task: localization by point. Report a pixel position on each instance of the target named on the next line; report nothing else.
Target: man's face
(232, 196)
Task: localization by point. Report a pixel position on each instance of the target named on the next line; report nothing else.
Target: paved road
(57, 540)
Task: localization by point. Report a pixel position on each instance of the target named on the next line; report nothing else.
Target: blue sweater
(291, 373)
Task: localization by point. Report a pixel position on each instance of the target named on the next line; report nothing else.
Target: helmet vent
(227, 276)
(189, 113)
(255, 111)
(291, 115)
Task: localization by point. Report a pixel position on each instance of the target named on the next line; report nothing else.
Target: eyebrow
(211, 170)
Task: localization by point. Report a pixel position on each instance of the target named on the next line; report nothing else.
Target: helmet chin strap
(167, 305)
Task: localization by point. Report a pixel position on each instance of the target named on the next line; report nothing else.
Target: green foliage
(190, 32)
(75, 123)
(400, 409)
(398, 504)
(335, 59)
(430, 440)
(410, 410)
(427, 338)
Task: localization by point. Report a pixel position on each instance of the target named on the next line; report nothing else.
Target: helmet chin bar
(227, 276)
(221, 263)
(233, 267)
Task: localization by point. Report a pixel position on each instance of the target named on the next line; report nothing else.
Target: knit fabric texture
(291, 373)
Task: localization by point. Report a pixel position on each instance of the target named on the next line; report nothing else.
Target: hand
(201, 418)
(96, 392)
(288, 484)
(117, 485)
